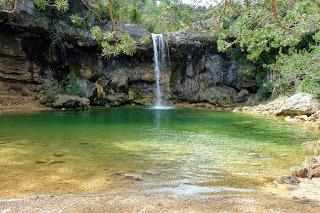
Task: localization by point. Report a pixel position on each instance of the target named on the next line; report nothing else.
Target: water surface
(183, 152)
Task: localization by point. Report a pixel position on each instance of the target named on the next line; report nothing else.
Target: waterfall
(161, 59)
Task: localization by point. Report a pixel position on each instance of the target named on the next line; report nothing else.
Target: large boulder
(70, 102)
(299, 104)
(220, 96)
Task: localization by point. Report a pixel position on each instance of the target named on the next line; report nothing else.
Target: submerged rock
(58, 155)
(132, 176)
(290, 180)
(40, 162)
(56, 162)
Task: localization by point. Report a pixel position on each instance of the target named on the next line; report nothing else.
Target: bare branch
(225, 5)
(275, 16)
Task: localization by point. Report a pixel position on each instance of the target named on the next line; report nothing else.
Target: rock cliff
(31, 44)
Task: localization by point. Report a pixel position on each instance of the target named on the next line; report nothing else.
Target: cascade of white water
(161, 60)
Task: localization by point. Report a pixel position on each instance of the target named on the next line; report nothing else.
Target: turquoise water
(179, 151)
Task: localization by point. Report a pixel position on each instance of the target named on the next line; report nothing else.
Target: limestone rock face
(70, 102)
(299, 104)
(198, 72)
(14, 64)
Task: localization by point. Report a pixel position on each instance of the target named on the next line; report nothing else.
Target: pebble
(290, 180)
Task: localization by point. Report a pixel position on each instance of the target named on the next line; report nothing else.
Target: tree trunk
(274, 14)
(111, 17)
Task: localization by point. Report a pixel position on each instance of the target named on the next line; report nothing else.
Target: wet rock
(290, 180)
(132, 176)
(152, 173)
(70, 102)
(56, 162)
(119, 173)
(254, 155)
(58, 155)
(40, 162)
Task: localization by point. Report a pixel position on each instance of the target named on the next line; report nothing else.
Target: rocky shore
(140, 202)
(300, 108)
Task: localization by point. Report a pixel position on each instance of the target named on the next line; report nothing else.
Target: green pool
(178, 151)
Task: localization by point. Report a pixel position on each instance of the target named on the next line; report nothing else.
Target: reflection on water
(175, 151)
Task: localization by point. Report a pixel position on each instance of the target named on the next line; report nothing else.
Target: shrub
(265, 91)
(145, 40)
(310, 85)
(50, 87)
(298, 71)
(76, 86)
(77, 20)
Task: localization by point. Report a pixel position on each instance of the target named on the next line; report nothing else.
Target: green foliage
(298, 71)
(265, 91)
(290, 50)
(96, 33)
(310, 85)
(113, 44)
(127, 45)
(76, 20)
(61, 5)
(50, 87)
(145, 40)
(76, 86)
(41, 4)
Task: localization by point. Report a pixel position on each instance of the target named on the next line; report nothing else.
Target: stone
(220, 96)
(56, 162)
(302, 117)
(290, 120)
(40, 162)
(70, 102)
(242, 96)
(132, 176)
(58, 155)
(299, 104)
(290, 180)
(152, 173)
(314, 172)
(301, 173)
(86, 72)
(119, 173)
